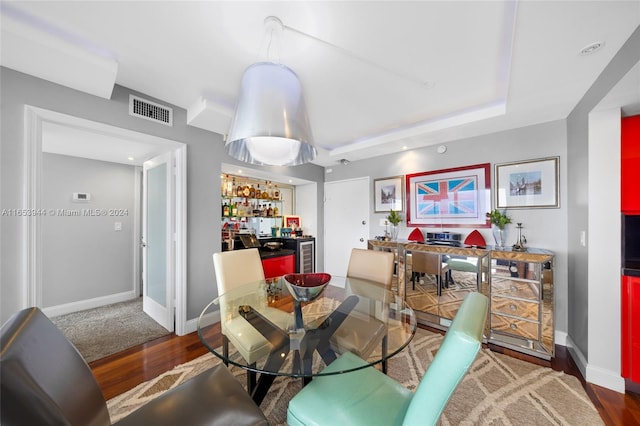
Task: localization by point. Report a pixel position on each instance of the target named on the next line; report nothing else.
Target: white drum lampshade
(270, 125)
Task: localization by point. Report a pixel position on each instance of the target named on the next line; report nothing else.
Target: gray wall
(580, 202)
(83, 257)
(544, 228)
(205, 154)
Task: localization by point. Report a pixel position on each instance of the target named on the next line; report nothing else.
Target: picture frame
(388, 194)
(291, 221)
(528, 184)
(456, 197)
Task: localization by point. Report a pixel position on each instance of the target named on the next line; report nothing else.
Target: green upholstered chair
(368, 397)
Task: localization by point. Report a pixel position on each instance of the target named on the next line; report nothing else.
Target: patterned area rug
(499, 390)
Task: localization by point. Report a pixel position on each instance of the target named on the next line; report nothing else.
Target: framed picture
(388, 194)
(528, 184)
(292, 222)
(458, 197)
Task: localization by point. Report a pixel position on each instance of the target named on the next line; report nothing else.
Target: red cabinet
(630, 328)
(630, 164)
(279, 266)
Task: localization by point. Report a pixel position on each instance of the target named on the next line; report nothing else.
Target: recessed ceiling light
(130, 158)
(404, 147)
(591, 48)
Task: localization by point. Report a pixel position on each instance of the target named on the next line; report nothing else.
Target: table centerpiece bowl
(306, 287)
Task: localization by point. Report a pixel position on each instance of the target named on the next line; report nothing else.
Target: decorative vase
(394, 232)
(499, 235)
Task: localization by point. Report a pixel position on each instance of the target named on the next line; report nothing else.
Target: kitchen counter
(268, 254)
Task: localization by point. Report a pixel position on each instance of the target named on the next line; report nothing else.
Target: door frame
(34, 117)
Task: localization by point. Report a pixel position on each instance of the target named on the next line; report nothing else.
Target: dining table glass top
(301, 338)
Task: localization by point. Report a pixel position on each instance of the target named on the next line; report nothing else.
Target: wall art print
(457, 197)
(388, 194)
(528, 184)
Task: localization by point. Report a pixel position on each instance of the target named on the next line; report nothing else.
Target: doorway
(36, 121)
(346, 222)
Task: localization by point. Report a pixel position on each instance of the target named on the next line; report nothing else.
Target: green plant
(394, 218)
(499, 219)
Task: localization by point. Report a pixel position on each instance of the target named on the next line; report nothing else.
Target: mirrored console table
(433, 280)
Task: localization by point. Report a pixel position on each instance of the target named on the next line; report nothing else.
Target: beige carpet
(109, 329)
(499, 390)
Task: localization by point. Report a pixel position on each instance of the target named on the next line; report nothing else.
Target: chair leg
(251, 379)
(384, 354)
(225, 350)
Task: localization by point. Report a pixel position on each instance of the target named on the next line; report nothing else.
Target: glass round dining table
(272, 334)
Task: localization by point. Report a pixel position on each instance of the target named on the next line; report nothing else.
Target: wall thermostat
(81, 196)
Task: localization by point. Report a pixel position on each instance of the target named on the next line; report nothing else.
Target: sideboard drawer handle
(513, 326)
(513, 307)
(514, 288)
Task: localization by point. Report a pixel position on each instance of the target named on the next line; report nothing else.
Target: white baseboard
(596, 375)
(560, 338)
(578, 357)
(605, 378)
(82, 305)
(208, 319)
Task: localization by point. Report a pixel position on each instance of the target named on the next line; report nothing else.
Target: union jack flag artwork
(451, 198)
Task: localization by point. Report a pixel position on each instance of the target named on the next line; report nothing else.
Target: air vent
(148, 110)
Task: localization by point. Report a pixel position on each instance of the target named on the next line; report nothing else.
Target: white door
(346, 222)
(158, 266)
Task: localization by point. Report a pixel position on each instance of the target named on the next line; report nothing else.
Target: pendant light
(270, 125)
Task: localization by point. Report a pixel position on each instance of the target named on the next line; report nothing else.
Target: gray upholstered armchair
(45, 381)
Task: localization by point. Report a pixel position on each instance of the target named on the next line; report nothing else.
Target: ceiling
(379, 77)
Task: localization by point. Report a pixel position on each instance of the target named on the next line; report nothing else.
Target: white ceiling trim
(55, 56)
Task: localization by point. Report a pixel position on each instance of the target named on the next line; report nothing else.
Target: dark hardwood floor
(120, 372)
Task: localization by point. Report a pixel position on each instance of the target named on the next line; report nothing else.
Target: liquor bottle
(258, 192)
(225, 210)
(276, 193)
(229, 191)
(239, 190)
(270, 211)
(234, 209)
(252, 192)
(276, 211)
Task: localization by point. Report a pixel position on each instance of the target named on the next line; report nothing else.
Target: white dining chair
(361, 335)
(234, 269)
